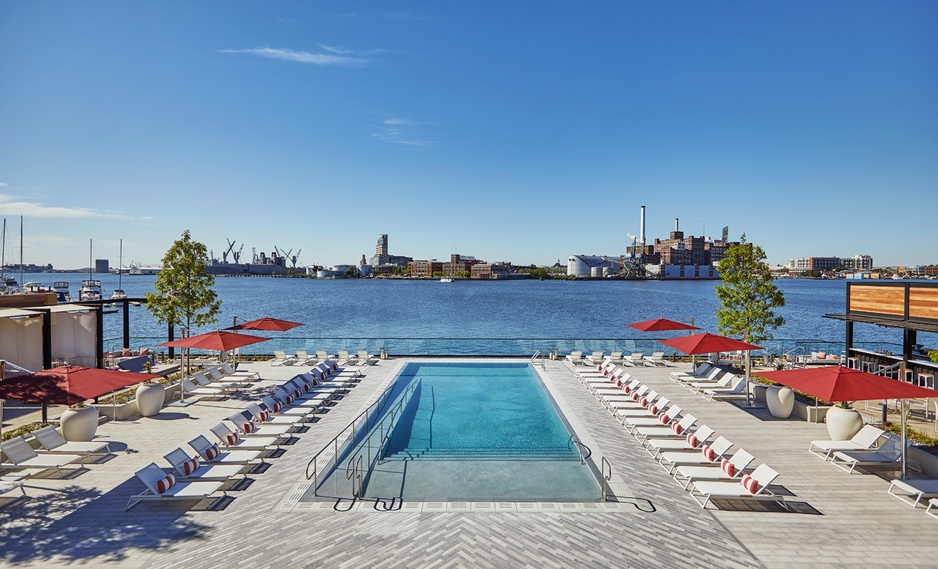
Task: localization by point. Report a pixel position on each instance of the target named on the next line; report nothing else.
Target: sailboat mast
(3, 246)
(120, 263)
(21, 252)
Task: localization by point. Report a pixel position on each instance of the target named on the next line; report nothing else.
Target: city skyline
(501, 132)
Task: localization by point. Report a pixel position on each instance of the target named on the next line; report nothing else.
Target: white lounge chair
(701, 371)
(865, 439)
(21, 456)
(53, 441)
(244, 423)
(731, 468)
(695, 451)
(232, 372)
(161, 486)
(217, 377)
(282, 359)
(266, 417)
(231, 440)
(186, 467)
(322, 355)
(303, 358)
(913, 491)
(676, 430)
(887, 456)
(315, 401)
(271, 405)
(345, 358)
(737, 388)
(575, 358)
(364, 358)
(636, 359)
(750, 487)
(716, 377)
(932, 505)
(596, 358)
(663, 418)
(190, 388)
(10, 485)
(656, 359)
(210, 453)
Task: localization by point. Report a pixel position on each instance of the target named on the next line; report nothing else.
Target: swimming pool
(479, 431)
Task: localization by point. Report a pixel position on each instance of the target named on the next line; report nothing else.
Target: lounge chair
(364, 358)
(914, 491)
(310, 387)
(210, 453)
(622, 413)
(737, 389)
(162, 486)
(731, 468)
(322, 355)
(345, 358)
(932, 505)
(674, 430)
(716, 378)
(697, 451)
(887, 456)
(267, 417)
(614, 357)
(699, 373)
(865, 439)
(232, 372)
(231, 440)
(663, 418)
(186, 467)
(596, 358)
(247, 427)
(10, 485)
(217, 377)
(190, 388)
(303, 358)
(282, 359)
(575, 358)
(656, 359)
(22, 456)
(53, 441)
(750, 487)
(636, 359)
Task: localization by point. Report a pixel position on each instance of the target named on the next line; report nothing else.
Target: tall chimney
(641, 231)
(677, 224)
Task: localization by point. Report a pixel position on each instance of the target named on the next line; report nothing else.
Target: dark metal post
(99, 339)
(126, 304)
(46, 339)
(170, 336)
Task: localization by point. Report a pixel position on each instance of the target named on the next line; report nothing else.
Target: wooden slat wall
(877, 299)
(923, 302)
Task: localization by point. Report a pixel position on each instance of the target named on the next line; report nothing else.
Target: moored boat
(90, 290)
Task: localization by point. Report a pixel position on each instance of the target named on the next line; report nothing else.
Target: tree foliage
(184, 294)
(748, 294)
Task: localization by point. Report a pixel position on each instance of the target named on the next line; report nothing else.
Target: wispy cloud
(332, 58)
(9, 205)
(385, 16)
(399, 130)
(344, 51)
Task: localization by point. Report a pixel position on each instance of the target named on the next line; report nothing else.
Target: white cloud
(10, 206)
(301, 56)
(398, 121)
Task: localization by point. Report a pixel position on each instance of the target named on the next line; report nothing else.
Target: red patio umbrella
(217, 341)
(68, 385)
(838, 384)
(660, 325)
(266, 323)
(707, 343)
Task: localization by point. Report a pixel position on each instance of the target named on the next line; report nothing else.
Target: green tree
(184, 295)
(748, 294)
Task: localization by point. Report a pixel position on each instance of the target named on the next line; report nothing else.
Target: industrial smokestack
(641, 231)
(677, 224)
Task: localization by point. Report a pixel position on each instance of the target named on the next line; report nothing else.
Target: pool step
(554, 453)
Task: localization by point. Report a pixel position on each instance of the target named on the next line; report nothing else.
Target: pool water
(480, 431)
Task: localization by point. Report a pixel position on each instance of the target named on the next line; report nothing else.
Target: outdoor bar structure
(911, 307)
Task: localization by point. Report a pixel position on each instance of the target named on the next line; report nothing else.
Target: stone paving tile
(81, 520)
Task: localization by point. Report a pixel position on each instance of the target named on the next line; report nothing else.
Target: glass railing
(502, 347)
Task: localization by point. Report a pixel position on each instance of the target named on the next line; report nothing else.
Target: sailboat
(8, 284)
(90, 287)
(119, 291)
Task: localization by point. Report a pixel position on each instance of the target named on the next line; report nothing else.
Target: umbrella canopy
(661, 324)
(218, 341)
(68, 385)
(266, 323)
(707, 343)
(837, 384)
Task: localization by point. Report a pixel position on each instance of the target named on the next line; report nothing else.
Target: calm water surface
(387, 309)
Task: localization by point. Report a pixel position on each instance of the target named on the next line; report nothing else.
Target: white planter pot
(758, 391)
(842, 423)
(780, 400)
(79, 424)
(150, 399)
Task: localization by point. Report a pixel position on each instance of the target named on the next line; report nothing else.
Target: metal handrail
(312, 468)
(538, 358)
(606, 478)
(579, 448)
(7, 364)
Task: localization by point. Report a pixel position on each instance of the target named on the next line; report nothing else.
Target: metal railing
(580, 447)
(349, 435)
(605, 478)
(538, 358)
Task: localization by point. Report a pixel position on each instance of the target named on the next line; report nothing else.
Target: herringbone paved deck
(852, 520)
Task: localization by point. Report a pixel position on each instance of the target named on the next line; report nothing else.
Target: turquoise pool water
(479, 431)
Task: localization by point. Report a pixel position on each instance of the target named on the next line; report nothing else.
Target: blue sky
(523, 132)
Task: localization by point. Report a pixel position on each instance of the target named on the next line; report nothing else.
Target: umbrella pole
(748, 391)
(902, 426)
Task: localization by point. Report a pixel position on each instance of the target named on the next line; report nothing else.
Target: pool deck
(839, 519)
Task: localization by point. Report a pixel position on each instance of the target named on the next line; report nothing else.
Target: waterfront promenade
(839, 519)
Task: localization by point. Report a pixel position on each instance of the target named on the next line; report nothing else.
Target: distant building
(683, 257)
(593, 266)
(822, 264)
(383, 261)
(458, 265)
(101, 266)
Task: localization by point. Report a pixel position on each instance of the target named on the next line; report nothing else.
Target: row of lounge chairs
(711, 382)
(635, 359)
(245, 438)
(54, 453)
(690, 454)
(302, 357)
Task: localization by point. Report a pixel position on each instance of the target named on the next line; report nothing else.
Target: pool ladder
(538, 358)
